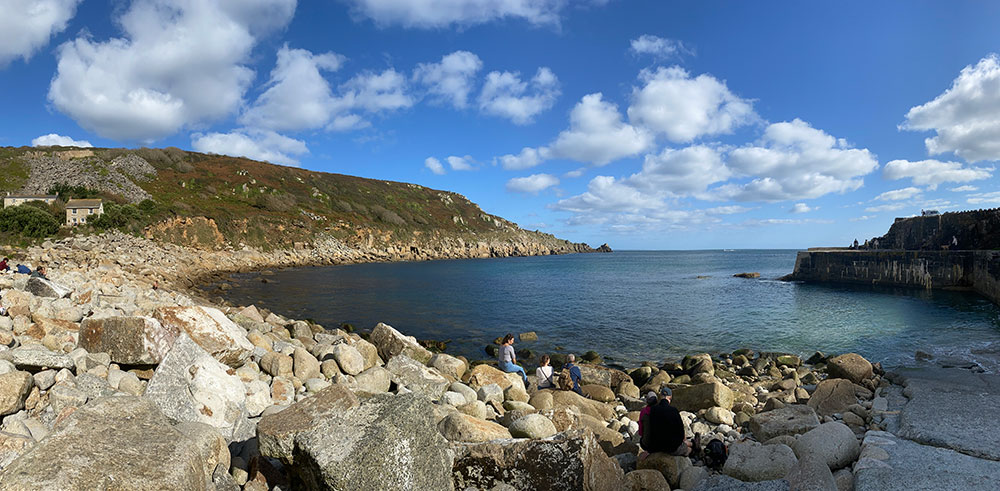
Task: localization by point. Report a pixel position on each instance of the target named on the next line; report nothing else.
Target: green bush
(28, 221)
(117, 216)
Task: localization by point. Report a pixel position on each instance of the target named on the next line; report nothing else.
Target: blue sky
(644, 124)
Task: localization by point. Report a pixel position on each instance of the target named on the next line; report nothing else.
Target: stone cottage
(20, 199)
(77, 210)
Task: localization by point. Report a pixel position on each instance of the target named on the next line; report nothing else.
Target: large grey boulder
(128, 340)
(460, 427)
(850, 366)
(120, 443)
(375, 379)
(751, 461)
(41, 287)
(889, 463)
(387, 442)
(211, 329)
(571, 460)
(832, 443)
(532, 426)
(190, 385)
(391, 342)
(14, 389)
(811, 474)
(348, 358)
(449, 365)
(702, 396)
(36, 358)
(416, 376)
(833, 395)
(789, 420)
(276, 432)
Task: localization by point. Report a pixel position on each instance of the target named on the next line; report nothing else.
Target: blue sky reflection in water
(631, 306)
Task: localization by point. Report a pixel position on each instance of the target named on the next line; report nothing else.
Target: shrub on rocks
(833, 444)
(850, 366)
(569, 460)
(391, 342)
(122, 440)
(750, 461)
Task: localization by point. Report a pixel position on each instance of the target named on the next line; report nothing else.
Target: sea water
(632, 306)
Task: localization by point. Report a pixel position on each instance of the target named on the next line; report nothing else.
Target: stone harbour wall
(947, 270)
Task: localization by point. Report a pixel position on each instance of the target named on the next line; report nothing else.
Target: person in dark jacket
(663, 429)
(574, 373)
(4, 266)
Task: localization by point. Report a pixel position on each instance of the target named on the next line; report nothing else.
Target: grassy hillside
(253, 203)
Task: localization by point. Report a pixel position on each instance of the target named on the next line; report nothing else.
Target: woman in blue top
(506, 359)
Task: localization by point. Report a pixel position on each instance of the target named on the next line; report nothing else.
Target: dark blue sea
(634, 305)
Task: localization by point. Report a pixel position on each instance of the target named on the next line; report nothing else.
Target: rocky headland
(115, 376)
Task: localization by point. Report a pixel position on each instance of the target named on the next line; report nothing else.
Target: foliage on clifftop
(256, 203)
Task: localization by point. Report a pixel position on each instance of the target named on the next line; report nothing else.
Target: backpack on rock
(565, 380)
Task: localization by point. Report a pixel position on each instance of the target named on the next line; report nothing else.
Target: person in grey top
(506, 360)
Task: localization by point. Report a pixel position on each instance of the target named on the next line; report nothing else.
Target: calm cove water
(632, 306)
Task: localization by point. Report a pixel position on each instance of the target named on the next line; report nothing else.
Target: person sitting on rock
(663, 429)
(39, 273)
(651, 401)
(544, 374)
(574, 373)
(506, 360)
(4, 266)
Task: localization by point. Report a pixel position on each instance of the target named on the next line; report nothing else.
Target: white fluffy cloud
(680, 172)
(605, 194)
(793, 160)
(529, 157)
(899, 194)
(253, 144)
(27, 25)
(964, 189)
(443, 13)
(58, 140)
(801, 208)
(450, 80)
(461, 163)
(180, 63)
(966, 117)
(657, 47)
(532, 184)
(434, 165)
(683, 108)
(297, 97)
(374, 92)
(598, 135)
(505, 95)
(984, 198)
(931, 172)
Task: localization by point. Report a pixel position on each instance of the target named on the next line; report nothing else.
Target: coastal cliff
(218, 203)
(917, 252)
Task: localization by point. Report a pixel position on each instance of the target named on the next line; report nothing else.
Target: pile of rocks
(107, 379)
(115, 177)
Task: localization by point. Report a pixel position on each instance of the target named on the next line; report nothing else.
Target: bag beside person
(716, 454)
(565, 380)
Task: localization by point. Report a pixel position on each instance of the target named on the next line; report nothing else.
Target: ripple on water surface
(632, 306)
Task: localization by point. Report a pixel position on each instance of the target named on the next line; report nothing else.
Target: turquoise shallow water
(632, 306)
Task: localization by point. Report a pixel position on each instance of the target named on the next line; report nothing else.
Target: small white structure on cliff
(77, 210)
(20, 199)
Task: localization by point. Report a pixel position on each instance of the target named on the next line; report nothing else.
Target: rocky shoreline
(115, 376)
